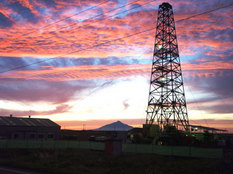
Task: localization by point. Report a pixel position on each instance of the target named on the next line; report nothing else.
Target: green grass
(77, 161)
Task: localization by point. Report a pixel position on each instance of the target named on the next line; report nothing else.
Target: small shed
(113, 147)
(28, 128)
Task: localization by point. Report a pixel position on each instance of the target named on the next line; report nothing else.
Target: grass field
(77, 161)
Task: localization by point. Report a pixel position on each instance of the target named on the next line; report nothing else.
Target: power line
(79, 14)
(97, 45)
(114, 10)
(197, 105)
(206, 12)
(67, 17)
(38, 62)
(76, 14)
(195, 100)
(70, 25)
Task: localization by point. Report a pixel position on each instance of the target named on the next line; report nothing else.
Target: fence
(134, 148)
(174, 150)
(11, 144)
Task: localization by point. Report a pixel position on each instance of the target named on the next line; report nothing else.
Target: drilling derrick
(166, 103)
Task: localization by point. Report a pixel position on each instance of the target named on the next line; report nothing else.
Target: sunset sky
(62, 60)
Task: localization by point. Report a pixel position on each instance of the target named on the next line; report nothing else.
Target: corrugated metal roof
(19, 121)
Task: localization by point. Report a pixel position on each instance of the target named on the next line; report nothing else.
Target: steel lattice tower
(166, 103)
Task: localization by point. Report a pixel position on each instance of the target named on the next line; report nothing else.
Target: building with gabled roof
(28, 128)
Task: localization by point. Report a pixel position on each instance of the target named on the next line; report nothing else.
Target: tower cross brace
(166, 102)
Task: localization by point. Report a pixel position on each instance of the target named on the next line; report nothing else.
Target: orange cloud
(208, 65)
(94, 124)
(82, 72)
(73, 38)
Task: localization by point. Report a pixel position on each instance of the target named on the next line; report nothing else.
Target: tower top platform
(165, 5)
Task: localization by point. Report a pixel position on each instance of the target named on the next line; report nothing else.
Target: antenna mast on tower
(166, 103)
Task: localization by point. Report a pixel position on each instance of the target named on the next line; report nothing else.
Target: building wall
(29, 133)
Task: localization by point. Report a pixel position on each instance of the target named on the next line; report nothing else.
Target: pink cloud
(59, 109)
(94, 124)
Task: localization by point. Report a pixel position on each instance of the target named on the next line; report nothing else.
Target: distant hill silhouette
(115, 126)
